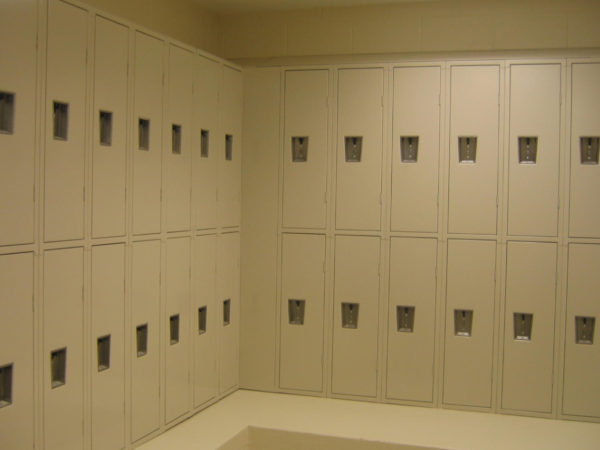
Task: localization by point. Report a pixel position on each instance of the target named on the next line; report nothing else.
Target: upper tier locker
(16, 353)
(355, 316)
(64, 152)
(178, 138)
(206, 142)
(147, 132)
(109, 125)
(305, 148)
(533, 149)
(416, 145)
(230, 158)
(473, 149)
(359, 149)
(18, 32)
(584, 217)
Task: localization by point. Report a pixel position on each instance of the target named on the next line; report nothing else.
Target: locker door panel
(468, 358)
(410, 358)
(533, 180)
(354, 370)
(360, 121)
(474, 109)
(63, 349)
(302, 305)
(528, 362)
(64, 152)
(416, 144)
(16, 331)
(305, 173)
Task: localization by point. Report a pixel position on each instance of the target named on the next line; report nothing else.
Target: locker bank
(389, 212)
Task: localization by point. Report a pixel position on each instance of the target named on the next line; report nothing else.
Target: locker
(147, 132)
(529, 348)
(177, 389)
(473, 177)
(581, 389)
(360, 121)
(533, 174)
(410, 355)
(356, 284)
(108, 346)
(63, 348)
(206, 142)
(64, 150)
(18, 32)
(584, 217)
(416, 147)
(16, 355)
(205, 321)
(144, 350)
(305, 148)
(302, 305)
(179, 159)
(468, 350)
(109, 158)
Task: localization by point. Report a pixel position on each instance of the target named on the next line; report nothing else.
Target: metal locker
(470, 289)
(473, 147)
(302, 310)
(147, 134)
(16, 355)
(581, 386)
(533, 173)
(18, 33)
(360, 121)
(205, 321)
(528, 360)
(63, 348)
(144, 332)
(64, 149)
(584, 214)
(109, 157)
(410, 354)
(177, 336)
(108, 346)
(305, 148)
(354, 359)
(416, 149)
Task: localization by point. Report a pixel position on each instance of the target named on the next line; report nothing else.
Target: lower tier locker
(355, 316)
(16, 356)
(302, 305)
(411, 319)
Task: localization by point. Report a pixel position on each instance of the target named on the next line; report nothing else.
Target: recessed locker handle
(141, 340)
(589, 147)
(528, 146)
(6, 384)
(58, 367)
(226, 312)
(467, 149)
(143, 134)
(463, 322)
(204, 140)
(522, 324)
(174, 329)
(584, 329)
(103, 351)
(299, 148)
(60, 119)
(405, 318)
(202, 320)
(106, 121)
(350, 315)
(7, 112)
(353, 148)
(409, 149)
(296, 311)
(229, 147)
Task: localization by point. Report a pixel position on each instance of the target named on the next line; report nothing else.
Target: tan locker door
(302, 305)
(584, 217)
(207, 78)
(204, 307)
(63, 349)
(64, 152)
(417, 124)
(144, 329)
(360, 116)
(147, 122)
(16, 355)
(533, 185)
(529, 363)
(410, 358)
(18, 33)
(470, 287)
(581, 390)
(305, 173)
(354, 370)
(474, 111)
(177, 390)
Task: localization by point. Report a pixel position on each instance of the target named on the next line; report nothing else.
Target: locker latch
(204, 134)
(141, 340)
(350, 315)
(522, 323)
(405, 318)
(176, 139)
(106, 120)
(467, 149)
(299, 148)
(7, 112)
(589, 149)
(58, 367)
(143, 134)
(226, 312)
(202, 320)
(60, 118)
(353, 148)
(103, 353)
(6, 377)
(528, 149)
(409, 148)
(174, 329)
(228, 147)
(463, 322)
(296, 311)
(584, 329)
